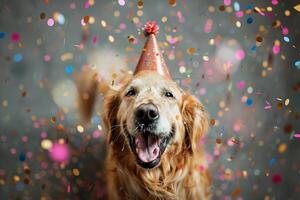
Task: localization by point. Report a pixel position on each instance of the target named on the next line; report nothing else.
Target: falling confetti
(297, 7)
(250, 90)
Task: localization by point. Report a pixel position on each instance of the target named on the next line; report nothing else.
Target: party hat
(151, 58)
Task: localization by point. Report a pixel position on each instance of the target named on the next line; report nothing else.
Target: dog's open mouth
(148, 148)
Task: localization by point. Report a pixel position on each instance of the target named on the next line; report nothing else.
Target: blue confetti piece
(95, 120)
(286, 39)
(249, 20)
(249, 102)
(61, 19)
(2, 35)
(22, 157)
(18, 57)
(272, 161)
(236, 6)
(69, 69)
(253, 48)
(297, 64)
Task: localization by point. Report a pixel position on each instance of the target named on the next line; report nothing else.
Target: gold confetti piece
(257, 9)
(172, 3)
(286, 102)
(282, 148)
(111, 38)
(191, 51)
(80, 129)
(76, 172)
(205, 58)
(46, 144)
(297, 7)
(4, 103)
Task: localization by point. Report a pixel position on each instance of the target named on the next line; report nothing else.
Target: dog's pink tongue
(147, 147)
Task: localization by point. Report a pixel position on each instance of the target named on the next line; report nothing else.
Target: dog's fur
(182, 172)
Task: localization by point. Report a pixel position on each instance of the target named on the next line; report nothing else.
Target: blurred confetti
(240, 58)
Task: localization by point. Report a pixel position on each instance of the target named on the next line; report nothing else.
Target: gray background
(34, 91)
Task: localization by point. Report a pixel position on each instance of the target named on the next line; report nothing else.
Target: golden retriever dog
(153, 131)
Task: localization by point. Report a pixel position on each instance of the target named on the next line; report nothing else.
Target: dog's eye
(169, 95)
(130, 92)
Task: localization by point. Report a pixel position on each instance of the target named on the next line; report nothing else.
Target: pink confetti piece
(274, 2)
(72, 6)
(95, 39)
(259, 11)
(297, 135)
(15, 37)
(285, 31)
(121, 2)
(180, 17)
(50, 22)
(47, 58)
(239, 14)
(240, 54)
(208, 25)
(79, 46)
(87, 5)
(268, 106)
(276, 49)
(69, 188)
(227, 2)
(240, 85)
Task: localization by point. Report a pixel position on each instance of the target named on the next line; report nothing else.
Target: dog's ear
(195, 120)
(109, 115)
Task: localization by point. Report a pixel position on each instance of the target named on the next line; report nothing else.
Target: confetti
(59, 152)
(121, 2)
(282, 148)
(250, 90)
(276, 178)
(2, 35)
(249, 102)
(227, 2)
(240, 54)
(111, 38)
(267, 106)
(236, 6)
(286, 102)
(80, 128)
(297, 64)
(43, 15)
(297, 7)
(46, 144)
(15, 37)
(276, 49)
(69, 69)
(286, 39)
(172, 2)
(257, 9)
(208, 26)
(50, 22)
(18, 57)
(249, 20)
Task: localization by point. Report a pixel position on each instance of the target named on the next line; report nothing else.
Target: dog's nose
(147, 113)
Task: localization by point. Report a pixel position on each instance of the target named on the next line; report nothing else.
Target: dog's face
(148, 113)
(154, 114)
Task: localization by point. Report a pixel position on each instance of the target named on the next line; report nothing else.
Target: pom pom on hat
(151, 27)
